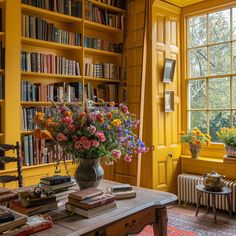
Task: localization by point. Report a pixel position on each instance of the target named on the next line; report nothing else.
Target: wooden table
(225, 191)
(130, 216)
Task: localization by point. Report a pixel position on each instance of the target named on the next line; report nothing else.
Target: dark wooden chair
(7, 159)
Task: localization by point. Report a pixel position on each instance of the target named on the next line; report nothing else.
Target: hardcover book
(124, 195)
(56, 179)
(57, 187)
(17, 206)
(85, 193)
(93, 212)
(121, 187)
(93, 202)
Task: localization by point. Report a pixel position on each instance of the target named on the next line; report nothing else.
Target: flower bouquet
(195, 138)
(98, 133)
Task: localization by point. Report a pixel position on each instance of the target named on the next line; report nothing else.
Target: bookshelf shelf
(101, 79)
(108, 7)
(46, 103)
(51, 15)
(100, 27)
(48, 44)
(37, 74)
(98, 52)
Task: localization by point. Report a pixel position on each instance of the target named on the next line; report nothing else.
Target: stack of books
(60, 186)
(7, 195)
(90, 202)
(122, 191)
(9, 219)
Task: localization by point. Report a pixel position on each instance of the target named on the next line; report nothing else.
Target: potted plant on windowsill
(228, 137)
(195, 138)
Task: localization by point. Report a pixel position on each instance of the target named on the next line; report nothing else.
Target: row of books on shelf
(103, 16)
(2, 56)
(37, 28)
(2, 90)
(48, 63)
(102, 70)
(105, 92)
(102, 45)
(36, 152)
(58, 92)
(68, 7)
(115, 3)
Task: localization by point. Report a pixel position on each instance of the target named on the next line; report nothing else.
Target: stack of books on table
(7, 195)
(90, 202)
(9, 219)
(122, 191)
(60, 186)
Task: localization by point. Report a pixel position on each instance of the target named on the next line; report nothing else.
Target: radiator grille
(187, 192)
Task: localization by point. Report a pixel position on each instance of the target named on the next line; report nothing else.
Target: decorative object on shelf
(169, 70)
(195, 138)
(213, 182)
(169, 101)
(99, 133)
(228, 137)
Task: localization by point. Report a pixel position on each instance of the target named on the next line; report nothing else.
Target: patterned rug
(180, 224)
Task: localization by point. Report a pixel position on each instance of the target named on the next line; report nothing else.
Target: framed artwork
(169, 70)
(169, 101)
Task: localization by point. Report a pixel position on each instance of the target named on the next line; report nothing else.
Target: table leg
(229, 205)
(199, 194)
(160, 227)
(214, 206)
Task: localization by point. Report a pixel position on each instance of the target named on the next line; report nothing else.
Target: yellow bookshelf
(14, 43)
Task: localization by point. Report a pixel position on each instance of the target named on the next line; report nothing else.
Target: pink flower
(116, 153)
(77, 145)
(128, 158)
(74, 138)
(95, 143)
(67, 120)
(124, 109)
(92, 128)
(61, 137)
(101, 136)
(72, 128)
(86, 143)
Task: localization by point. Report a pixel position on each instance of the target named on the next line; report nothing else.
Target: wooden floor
(222, 216)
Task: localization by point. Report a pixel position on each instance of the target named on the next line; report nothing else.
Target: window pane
(197, 62)
(218, 120)
(197, 94)
(198, 119)
(234, 92)
(197, 33)
(220, 59)
(234, 23)
(219, 93)
(219, 26)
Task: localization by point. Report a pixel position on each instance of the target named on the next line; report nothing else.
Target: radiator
(187, 192)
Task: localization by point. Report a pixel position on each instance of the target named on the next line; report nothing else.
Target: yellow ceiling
(182, 3)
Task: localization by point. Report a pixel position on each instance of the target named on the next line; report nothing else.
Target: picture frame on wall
(169, 70)
(168, 101)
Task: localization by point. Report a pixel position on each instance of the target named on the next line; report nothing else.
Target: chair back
(7, 159)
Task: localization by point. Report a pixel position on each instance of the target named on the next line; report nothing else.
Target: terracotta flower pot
(89, 173)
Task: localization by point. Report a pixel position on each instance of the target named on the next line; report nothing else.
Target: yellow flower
(207, 141)
(116, 122)
(198, 132)
(195, 129)
(45, 134)
(39, 117)
(194, 132)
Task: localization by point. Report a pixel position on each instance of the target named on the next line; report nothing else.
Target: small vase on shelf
(194, 149)
(89, 173)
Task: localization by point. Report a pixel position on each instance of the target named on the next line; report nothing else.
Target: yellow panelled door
(166, 125)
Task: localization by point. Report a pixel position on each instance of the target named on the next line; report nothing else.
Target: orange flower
(101, 120)
(68, 113)
(111, 104)
(45, 134)
(37, 133)
(109, 116)
(194, 132)
(48, 122)
(81, 115)
(198, 142)
(207, 141)
(198, 132)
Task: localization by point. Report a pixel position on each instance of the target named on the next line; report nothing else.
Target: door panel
(166, 126)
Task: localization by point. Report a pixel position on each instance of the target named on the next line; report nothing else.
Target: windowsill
(210, 159)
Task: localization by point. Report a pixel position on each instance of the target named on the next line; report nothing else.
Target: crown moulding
(182, 3)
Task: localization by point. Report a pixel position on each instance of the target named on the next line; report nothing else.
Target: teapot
(213, 181)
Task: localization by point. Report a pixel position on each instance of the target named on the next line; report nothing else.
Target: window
(211, 71)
